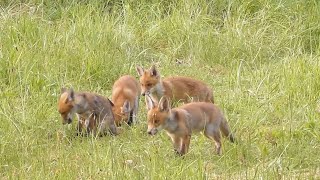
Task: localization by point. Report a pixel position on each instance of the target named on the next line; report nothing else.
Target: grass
(260, 57)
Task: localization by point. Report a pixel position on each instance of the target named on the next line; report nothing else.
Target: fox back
(203, 114)
(125, 96)
(177, 88)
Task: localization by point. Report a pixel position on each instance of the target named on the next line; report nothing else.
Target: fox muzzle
(67, 121)
(152, 131)
(145, 93)
(66, 118)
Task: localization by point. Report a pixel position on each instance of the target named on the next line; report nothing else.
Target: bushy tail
(225, 129)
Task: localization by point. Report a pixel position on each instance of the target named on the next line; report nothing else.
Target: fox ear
(71, 95)
(63, 90)
(139, 70)
(154, 71)
(149, 102)
(111, 103)
(164, 104)
(126, 107)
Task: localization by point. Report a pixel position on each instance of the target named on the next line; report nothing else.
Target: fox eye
(149, 84)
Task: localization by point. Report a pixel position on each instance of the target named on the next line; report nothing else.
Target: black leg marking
(130, 121)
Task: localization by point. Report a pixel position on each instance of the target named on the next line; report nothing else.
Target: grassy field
(260, 57)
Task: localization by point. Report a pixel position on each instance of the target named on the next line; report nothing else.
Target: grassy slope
(261, 58)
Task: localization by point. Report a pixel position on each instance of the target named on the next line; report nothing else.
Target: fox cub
(94, 111)
(125, 97)
(180, 122)
(177, 88)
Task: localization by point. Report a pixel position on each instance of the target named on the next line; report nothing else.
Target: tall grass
(260, 57)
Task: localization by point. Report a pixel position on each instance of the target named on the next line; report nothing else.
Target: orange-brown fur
(89, 124)
(94, 111)
(125, 97)
(178, 88)
(180, 122)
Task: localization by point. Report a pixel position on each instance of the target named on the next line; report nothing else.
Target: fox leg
(79, 125)
(132, 114)
(130, 118)
(185, 142)
(79, 128)
(106, 123)
(109, 123)
(213, 132)
(87, 125)
(135, 110)
(92, 126)
(217, 138)
(176, 143)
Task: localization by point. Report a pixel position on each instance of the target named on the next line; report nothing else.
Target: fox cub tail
(225, 129)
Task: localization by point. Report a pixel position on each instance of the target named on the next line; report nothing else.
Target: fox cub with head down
(177, 88)
(125, 97)
(94, 111)
(180, 122)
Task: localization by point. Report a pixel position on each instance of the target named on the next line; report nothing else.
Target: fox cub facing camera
(176, 88)
(180, 122)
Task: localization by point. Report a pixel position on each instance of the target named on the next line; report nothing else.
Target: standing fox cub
(94, 111)
(182, 121)
(176, 88)
(125, 97)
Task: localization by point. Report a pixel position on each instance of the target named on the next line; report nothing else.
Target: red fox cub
(180, 122)
(94, 111)
(176, 88)
(125, 97)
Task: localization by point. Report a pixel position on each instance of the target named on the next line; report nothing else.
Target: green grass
(260, 57)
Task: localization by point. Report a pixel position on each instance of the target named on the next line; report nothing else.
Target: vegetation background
(261, 57)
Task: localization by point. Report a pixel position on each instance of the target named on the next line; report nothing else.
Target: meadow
(260, 57)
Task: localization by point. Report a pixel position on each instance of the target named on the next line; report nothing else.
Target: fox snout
(66, 118)
(152, 132)
(145, 93)
(67, 121)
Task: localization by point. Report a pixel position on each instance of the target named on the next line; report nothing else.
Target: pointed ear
(111, 103)
(126, 107)
(63, 90)
(140, 70)
(154, 71)
(164, 104)
(149, 102)
(70, 95)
